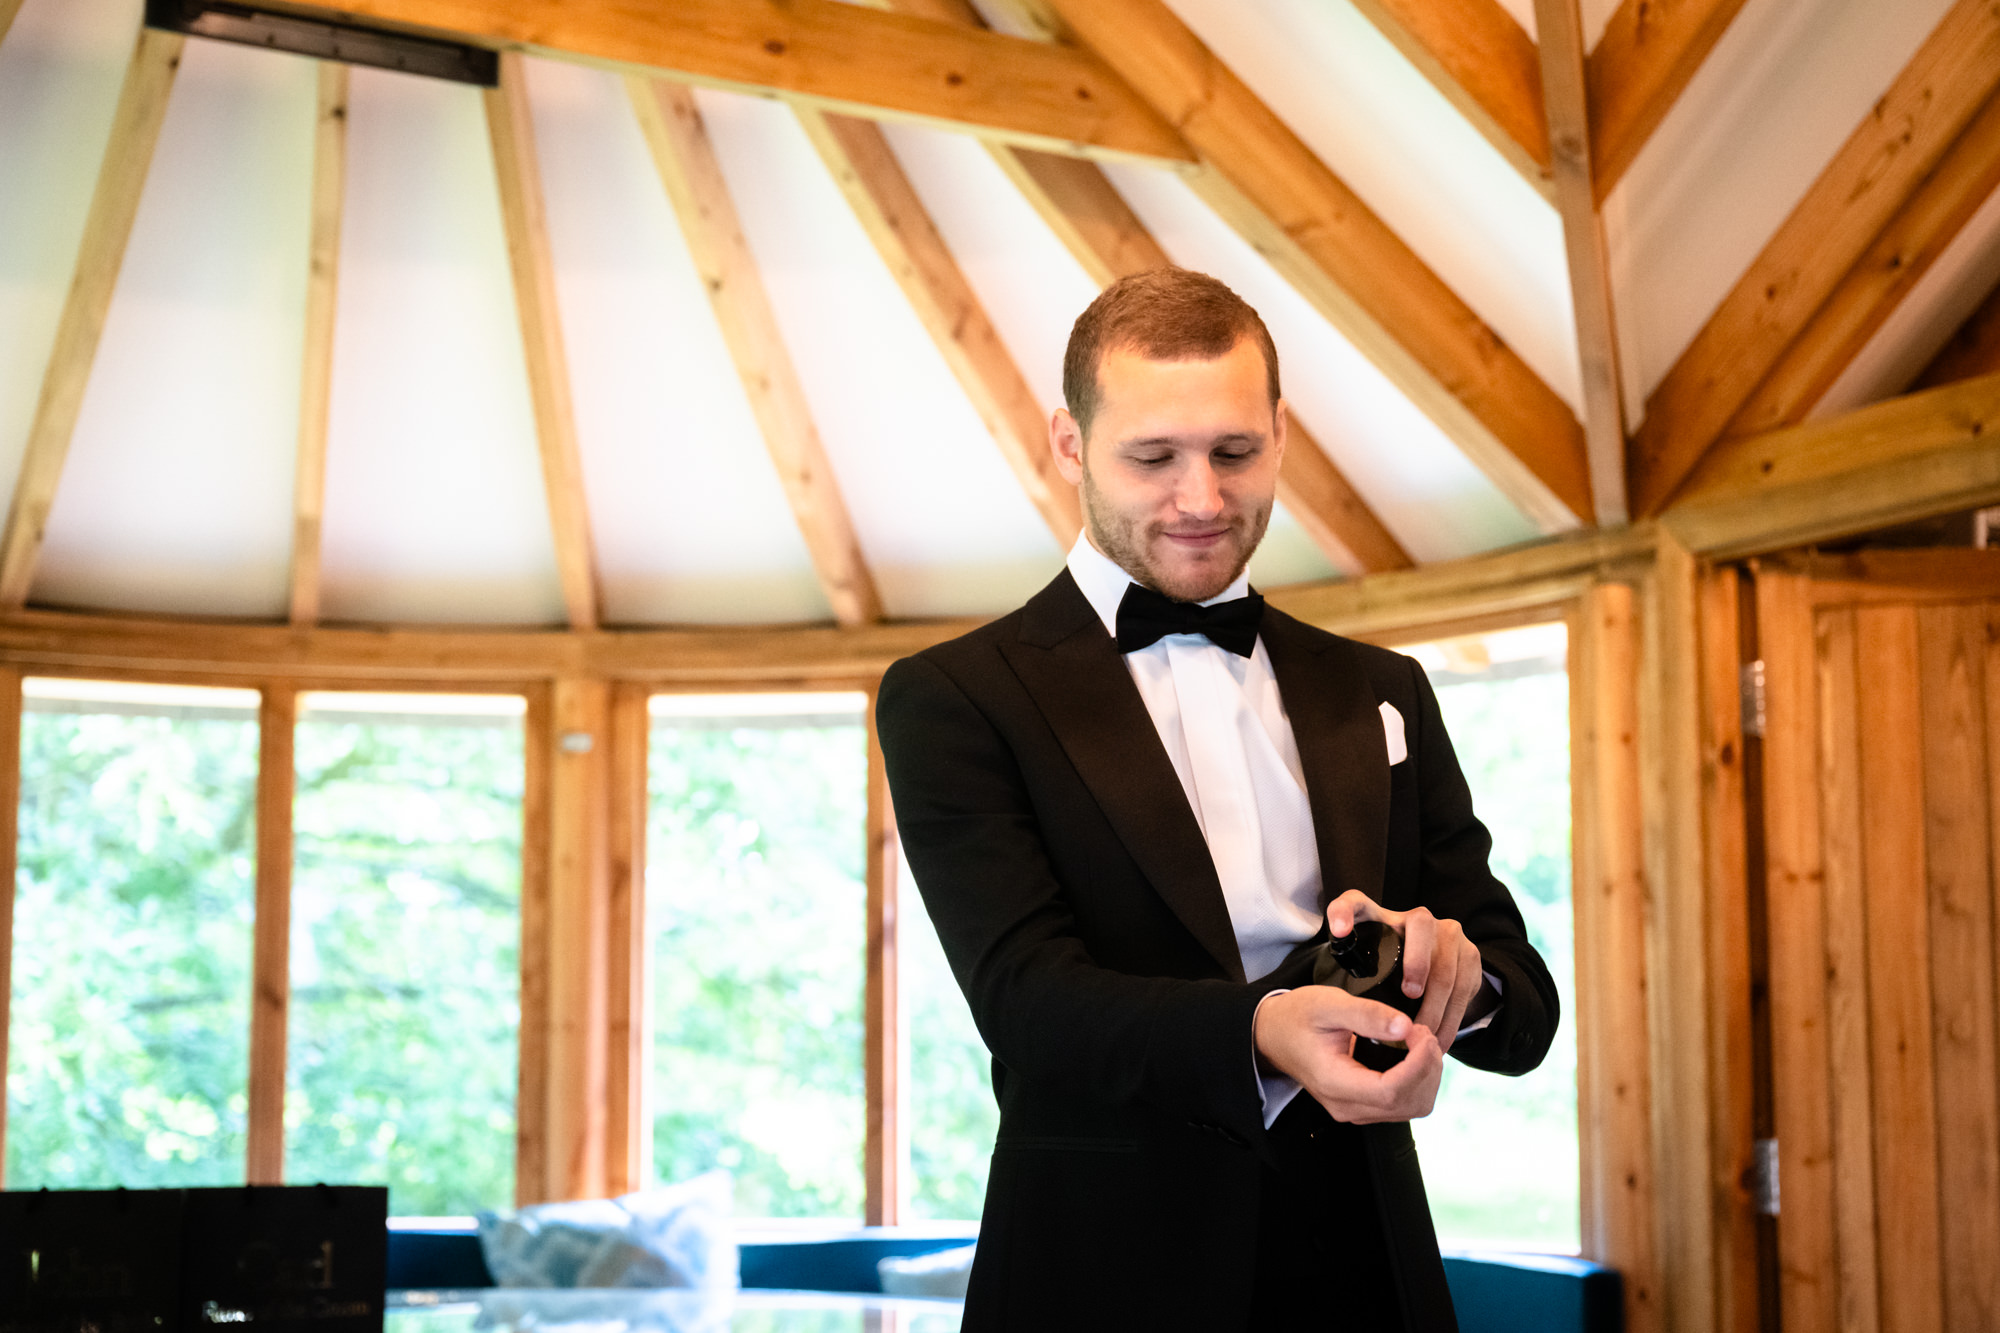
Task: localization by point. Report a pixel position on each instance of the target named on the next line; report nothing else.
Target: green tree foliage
(406, 922)
(128, 1050)
(1500, 1154)
(755, 899)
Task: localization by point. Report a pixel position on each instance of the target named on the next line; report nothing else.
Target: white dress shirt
(1226, 731)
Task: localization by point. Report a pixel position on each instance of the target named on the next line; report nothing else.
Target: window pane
(951, 1113)
(755, 900)
(1500, 1154)
(406, 923)
(128, 1057)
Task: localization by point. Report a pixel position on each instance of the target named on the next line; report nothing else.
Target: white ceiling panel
(943, 524)
(1420, 485)
(690, 521)
(60, 70)
(435, 509)
(1776, 99)
(177, 492)
(1393, 138)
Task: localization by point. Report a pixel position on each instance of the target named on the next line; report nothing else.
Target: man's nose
(1198, 496)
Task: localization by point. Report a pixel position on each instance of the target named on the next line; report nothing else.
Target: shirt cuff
(1275, 1091)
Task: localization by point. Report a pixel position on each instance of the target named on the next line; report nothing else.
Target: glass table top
(506, 1310)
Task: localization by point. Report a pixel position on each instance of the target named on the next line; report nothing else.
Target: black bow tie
(1145, 617)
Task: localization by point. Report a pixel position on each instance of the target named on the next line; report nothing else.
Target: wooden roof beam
(1344, 259)
(329, 188)
(700, 197)
(1486, 66)
(525, 215)
(1647, 55)
(1972, 351)
(1890, 462)
(1092, 219)
(8, 9)
(121, 179)
(836, 56)
(1872, 177)
(1886, 273)
(865, 168)
(1560, 26)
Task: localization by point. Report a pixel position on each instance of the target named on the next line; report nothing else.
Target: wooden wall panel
(1959, 854)
(1614, 1082)
(1850, 1083)
(1899, 982)
(1798, 993)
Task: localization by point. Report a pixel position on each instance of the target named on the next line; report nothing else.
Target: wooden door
(1881, 762)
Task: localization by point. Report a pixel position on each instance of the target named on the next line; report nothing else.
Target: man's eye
(1153, 460)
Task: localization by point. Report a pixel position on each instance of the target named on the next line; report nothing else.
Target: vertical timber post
(270, 967)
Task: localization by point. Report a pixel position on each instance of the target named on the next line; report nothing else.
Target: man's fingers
(1344, 911)
(1419, 939)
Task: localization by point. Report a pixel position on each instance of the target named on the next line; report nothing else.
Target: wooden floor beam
(121, 179)
(886, 203)
(840, 57)
(1559, 24)
(524, 214)
(1874, 174)
(1638, 69)
(1346, 261)
(1485, 64)
(673, 129)
(329, 192)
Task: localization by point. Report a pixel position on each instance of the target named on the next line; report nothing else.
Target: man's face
(1180, 468)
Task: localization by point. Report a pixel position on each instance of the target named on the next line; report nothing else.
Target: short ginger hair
(1165, 314)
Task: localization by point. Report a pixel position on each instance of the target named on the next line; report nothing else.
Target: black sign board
(274, 1259)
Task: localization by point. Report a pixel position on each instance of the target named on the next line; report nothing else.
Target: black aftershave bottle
(1368, 962)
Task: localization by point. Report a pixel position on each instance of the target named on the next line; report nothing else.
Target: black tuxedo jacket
(1080, 910)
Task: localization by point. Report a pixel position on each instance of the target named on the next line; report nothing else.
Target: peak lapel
(1337, 722)
(1072, 670)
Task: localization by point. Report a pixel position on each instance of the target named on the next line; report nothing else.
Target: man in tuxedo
(1135, 808)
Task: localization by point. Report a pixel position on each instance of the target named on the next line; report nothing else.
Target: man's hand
(1439, 963)
(1309, 1034)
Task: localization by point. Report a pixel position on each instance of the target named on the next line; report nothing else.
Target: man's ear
(1066, 443)
(1281, 417)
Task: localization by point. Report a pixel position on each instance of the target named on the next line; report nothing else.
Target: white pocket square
(1392, 733)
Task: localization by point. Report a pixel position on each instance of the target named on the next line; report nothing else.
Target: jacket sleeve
(1047, 1010)
(1454, 881)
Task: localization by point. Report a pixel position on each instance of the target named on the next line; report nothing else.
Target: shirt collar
(1103, 582)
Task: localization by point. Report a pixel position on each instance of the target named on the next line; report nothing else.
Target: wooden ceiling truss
(673, 129)
(329, 192)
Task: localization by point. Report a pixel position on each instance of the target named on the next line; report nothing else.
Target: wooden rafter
(329, 190)
(838, 56)
(1910, 457)
(1344, 259)
(121, 178)
(866, 169)
(8, 9)
(525, 217)
(1484, 63)
(1972, 351)
(1875, 173)
(700, 197)
(1648, 52)
(1885, 274)
(1107, 238)
(1559, 24)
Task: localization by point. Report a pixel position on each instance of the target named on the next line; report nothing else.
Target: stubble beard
(1125, 542)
